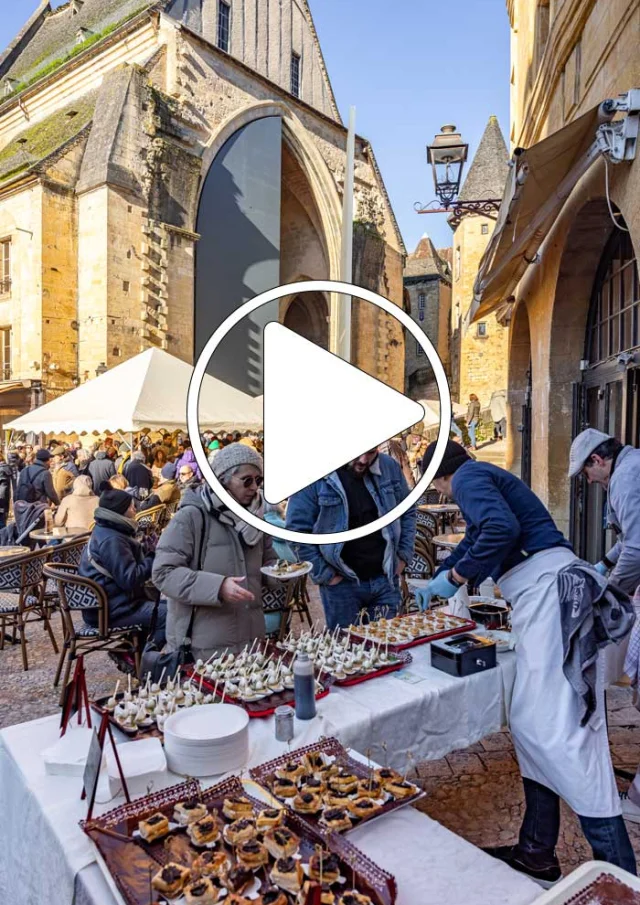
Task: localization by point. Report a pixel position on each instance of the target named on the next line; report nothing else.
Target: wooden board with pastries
(186, 846)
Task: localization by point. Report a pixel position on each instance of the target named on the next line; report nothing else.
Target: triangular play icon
(320, 412)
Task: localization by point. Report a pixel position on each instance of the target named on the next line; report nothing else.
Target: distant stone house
(162, 162)
(427, 281)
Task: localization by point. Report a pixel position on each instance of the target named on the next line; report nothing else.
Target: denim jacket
(321, 508)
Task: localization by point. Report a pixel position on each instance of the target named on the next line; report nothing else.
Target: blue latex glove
(440, 586)
(602, 568)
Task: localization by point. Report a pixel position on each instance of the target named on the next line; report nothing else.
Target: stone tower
(479, 352)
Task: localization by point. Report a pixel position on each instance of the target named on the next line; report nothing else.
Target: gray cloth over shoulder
(593, 613)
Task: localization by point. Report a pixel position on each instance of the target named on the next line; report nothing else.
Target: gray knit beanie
(232, 456)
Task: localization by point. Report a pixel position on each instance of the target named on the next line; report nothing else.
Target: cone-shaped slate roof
(426, 260)
(487, 175)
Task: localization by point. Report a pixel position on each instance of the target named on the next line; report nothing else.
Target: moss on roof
(55, 42)
(38, 142)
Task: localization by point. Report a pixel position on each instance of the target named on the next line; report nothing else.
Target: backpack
(26, 488)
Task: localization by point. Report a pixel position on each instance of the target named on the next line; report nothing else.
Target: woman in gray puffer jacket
(209, 559)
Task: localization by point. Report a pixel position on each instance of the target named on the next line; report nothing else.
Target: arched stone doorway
(308, 315)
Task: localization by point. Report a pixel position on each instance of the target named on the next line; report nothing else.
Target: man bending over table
(560, 741)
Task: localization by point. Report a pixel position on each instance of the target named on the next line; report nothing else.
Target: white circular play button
(320, 412)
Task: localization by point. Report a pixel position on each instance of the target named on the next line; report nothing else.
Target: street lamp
(101, 369)
(447, 155)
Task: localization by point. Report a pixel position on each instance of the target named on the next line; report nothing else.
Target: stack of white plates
(207, 740)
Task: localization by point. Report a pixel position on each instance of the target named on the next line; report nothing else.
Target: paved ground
(476, 793)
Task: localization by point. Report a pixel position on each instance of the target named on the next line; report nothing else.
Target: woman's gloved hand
(602, 568)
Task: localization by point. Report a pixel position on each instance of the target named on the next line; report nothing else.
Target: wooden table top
(448, 540)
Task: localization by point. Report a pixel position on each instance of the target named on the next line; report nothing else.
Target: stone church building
(162, 162)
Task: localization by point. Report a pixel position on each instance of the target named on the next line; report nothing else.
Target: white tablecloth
(42, 847)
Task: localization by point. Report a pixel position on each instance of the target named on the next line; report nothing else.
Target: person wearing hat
(362, 574)
(512, 538)
(208, 561)
(604, 460)
(36, 480)
(168, 491)
(116, 561)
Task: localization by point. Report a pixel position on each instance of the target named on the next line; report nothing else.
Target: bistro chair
(78, 595)
(22, 586)
(426, 523)
(151, 521)
(284, 602)
(68, 553)
(170, 510)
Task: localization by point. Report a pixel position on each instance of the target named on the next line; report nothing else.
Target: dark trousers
(343, 602)
(607, 836)
(142, 616)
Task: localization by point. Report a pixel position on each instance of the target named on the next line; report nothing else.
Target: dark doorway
(308, 316)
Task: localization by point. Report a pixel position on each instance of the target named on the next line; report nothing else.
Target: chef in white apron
(512, 538)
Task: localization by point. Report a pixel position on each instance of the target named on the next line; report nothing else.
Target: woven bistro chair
(150, 521)
(22, 586)
(68, 553)
(170, 510)
(78, 595)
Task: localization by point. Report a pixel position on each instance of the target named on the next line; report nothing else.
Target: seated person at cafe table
(208, 561)
(77, 509)
(364, 573)
(559, 732)
(116, 561)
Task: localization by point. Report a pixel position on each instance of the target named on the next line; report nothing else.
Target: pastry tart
(273, 896)
(344, 782)
(312, 784)
(236, 807)
(401, 789)
(281, 842)
(204, 831)
(154, 827)
(314, 761)
(186, 812)
(252, 854)
(291, 770)
(269, 817)
(171, 879)
(369, 788)
(211, 864)
(240, 831)
(202, 892)
(324, 865)
(364, 808)
(336, 799)
(237, 879)
(354, 898)
(327, 897)
(385, 775)
(307, 803)
(336, 819)
(285, 788)
(287, 874)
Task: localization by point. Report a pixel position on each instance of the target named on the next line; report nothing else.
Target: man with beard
(363, 573)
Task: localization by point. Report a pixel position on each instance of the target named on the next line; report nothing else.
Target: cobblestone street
(476, 793)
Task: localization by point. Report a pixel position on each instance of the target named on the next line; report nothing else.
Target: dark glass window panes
(224, 25)
(295, 74)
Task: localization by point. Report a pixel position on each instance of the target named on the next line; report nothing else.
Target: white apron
(551, 746)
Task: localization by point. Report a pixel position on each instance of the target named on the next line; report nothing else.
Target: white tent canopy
(432, 411)
(148, 391)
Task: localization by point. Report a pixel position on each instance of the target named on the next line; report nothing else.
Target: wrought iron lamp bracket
(487, 207)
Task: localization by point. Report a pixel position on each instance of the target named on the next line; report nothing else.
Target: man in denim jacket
(361, 574)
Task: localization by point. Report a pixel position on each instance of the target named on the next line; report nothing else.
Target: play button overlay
(325, 412)
(333, 412)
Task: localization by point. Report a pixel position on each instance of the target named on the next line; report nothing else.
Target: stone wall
(418, 373)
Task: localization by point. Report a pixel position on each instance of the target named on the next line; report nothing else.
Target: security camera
(625, 358)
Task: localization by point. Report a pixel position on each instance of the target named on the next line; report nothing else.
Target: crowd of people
(200, 584)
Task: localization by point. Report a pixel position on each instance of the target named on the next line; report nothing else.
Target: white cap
(582, 447)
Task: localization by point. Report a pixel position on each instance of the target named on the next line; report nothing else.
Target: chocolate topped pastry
(307, 797)
(199, 889)
(238, 878)
(286, 864)
(251, 846)
(170, 873)
(285, 782)
(314, 783)
(157, 818)
(273, 897)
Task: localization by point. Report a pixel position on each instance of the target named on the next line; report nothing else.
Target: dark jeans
(140, 616)
(607, 836)
(342, 602)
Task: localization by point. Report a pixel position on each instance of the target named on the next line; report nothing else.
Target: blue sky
(408, 67)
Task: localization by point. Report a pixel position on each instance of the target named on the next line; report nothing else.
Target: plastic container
(304, 687)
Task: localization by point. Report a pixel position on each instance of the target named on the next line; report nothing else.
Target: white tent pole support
(340, 333)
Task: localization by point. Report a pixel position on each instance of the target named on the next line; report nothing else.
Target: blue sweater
(504, 520)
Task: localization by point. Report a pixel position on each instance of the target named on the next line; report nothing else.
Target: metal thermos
(284, 723)
(304, 687)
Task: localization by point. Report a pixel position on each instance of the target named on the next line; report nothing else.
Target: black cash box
(463, 655)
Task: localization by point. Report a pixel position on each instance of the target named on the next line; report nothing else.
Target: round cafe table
(46, 537)
(447, 541)
(442, 512)
(6, 552)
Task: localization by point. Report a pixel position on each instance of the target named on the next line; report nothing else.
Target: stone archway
(308, 316)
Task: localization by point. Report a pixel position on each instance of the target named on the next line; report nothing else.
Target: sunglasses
(249, 480)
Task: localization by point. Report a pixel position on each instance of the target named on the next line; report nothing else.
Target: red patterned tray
(404, 659)
(264, 774)
(132, 862)
(466, 625)
(146, 732)
(605, 890)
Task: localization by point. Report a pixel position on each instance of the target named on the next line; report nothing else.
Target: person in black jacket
(38, 476)
(101, 469)
(137, 473)
(5, 490)
(16, 464)
(116, 561)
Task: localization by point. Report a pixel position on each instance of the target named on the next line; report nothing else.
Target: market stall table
(419, 710)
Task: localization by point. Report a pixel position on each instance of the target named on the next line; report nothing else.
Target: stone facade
(427, 282)
(567, 57)
(104, 145)
(479, 352)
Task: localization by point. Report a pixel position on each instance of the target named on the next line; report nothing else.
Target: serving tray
(464, 625)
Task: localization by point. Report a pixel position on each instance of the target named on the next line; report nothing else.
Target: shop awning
(540, 180)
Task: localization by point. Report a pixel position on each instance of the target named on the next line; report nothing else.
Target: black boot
(543, 868)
